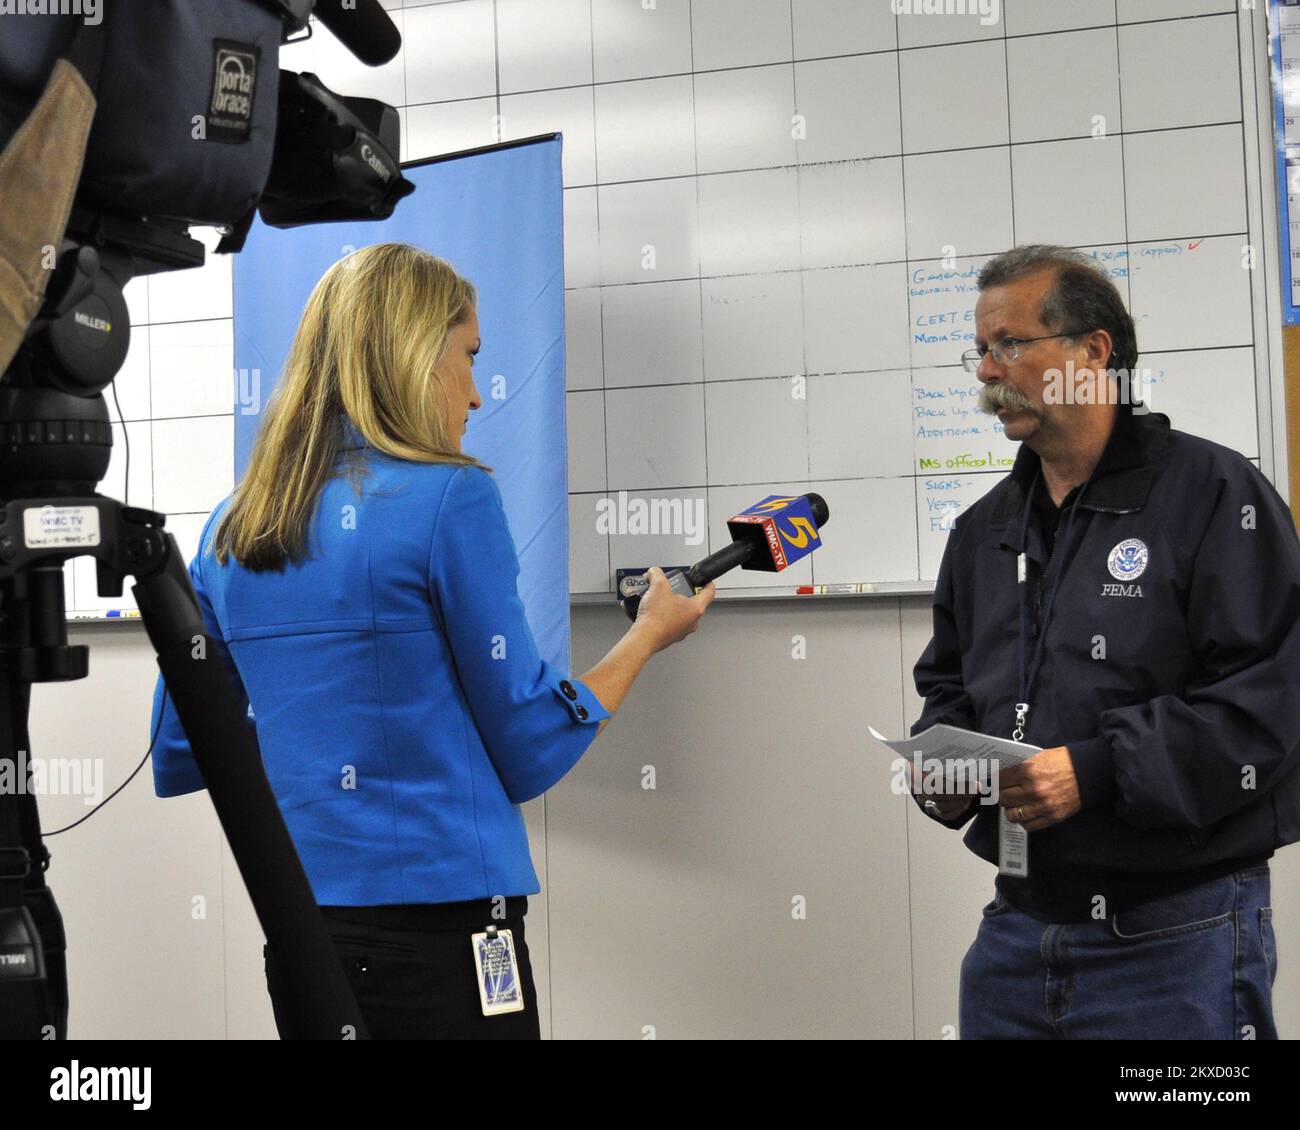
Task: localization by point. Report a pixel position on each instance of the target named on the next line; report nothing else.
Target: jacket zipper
(1038, 585)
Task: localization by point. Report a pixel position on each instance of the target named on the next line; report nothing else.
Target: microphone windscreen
(820, 511)
(363, 27)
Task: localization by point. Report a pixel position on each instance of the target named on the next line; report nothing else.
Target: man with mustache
(1128, 599)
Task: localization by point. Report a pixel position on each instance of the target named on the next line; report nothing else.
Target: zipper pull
(1021, 569)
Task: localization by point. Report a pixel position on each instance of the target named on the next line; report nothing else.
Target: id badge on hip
(499, 989)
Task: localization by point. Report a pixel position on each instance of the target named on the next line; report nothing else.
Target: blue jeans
(1196, 965)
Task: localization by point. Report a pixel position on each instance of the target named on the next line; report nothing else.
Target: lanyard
(1055, 572)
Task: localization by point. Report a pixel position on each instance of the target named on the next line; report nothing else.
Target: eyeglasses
(1008, 349)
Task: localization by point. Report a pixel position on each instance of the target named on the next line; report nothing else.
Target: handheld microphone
(363, 27)
(768, 537)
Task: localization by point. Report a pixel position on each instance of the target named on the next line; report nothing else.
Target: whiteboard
(813, 288)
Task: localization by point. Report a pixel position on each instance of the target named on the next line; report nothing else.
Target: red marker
(823, 590)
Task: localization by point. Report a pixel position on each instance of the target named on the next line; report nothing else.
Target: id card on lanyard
(1013, 847)
(1013, 839)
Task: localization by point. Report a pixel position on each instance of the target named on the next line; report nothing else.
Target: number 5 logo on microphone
(805, 531)
(786, 527)
(773, 505)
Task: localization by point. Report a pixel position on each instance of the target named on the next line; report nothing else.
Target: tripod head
(55, 437)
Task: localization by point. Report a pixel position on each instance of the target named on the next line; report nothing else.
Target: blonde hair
(372, 334)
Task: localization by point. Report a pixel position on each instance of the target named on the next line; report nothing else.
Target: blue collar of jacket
(1123, 476)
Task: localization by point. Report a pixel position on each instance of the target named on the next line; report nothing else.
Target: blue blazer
(397, 695)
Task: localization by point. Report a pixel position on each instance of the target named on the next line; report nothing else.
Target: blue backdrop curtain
(497, 215)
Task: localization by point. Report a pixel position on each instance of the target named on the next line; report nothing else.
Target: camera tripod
(55, 445)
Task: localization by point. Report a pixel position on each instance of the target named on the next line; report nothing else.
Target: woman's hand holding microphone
(667, 618)
(663, 619)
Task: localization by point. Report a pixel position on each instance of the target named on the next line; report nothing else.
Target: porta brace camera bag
(187, 95)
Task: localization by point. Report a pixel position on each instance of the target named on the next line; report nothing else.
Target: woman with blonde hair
(361, 585)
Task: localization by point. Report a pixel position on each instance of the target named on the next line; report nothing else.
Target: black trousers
(412, 970)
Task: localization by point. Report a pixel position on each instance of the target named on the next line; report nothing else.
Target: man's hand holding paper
(1039, 791)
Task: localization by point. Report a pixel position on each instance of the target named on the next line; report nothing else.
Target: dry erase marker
(828, 590)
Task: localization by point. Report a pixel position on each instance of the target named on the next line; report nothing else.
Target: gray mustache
(998, 395)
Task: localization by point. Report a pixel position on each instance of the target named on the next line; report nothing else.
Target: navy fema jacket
(401, 706)
(1170, 670)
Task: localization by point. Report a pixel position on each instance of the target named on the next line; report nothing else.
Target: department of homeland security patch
(1128, 560)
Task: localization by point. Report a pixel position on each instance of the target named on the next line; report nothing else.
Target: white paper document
(964, 758)
(952, 743)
